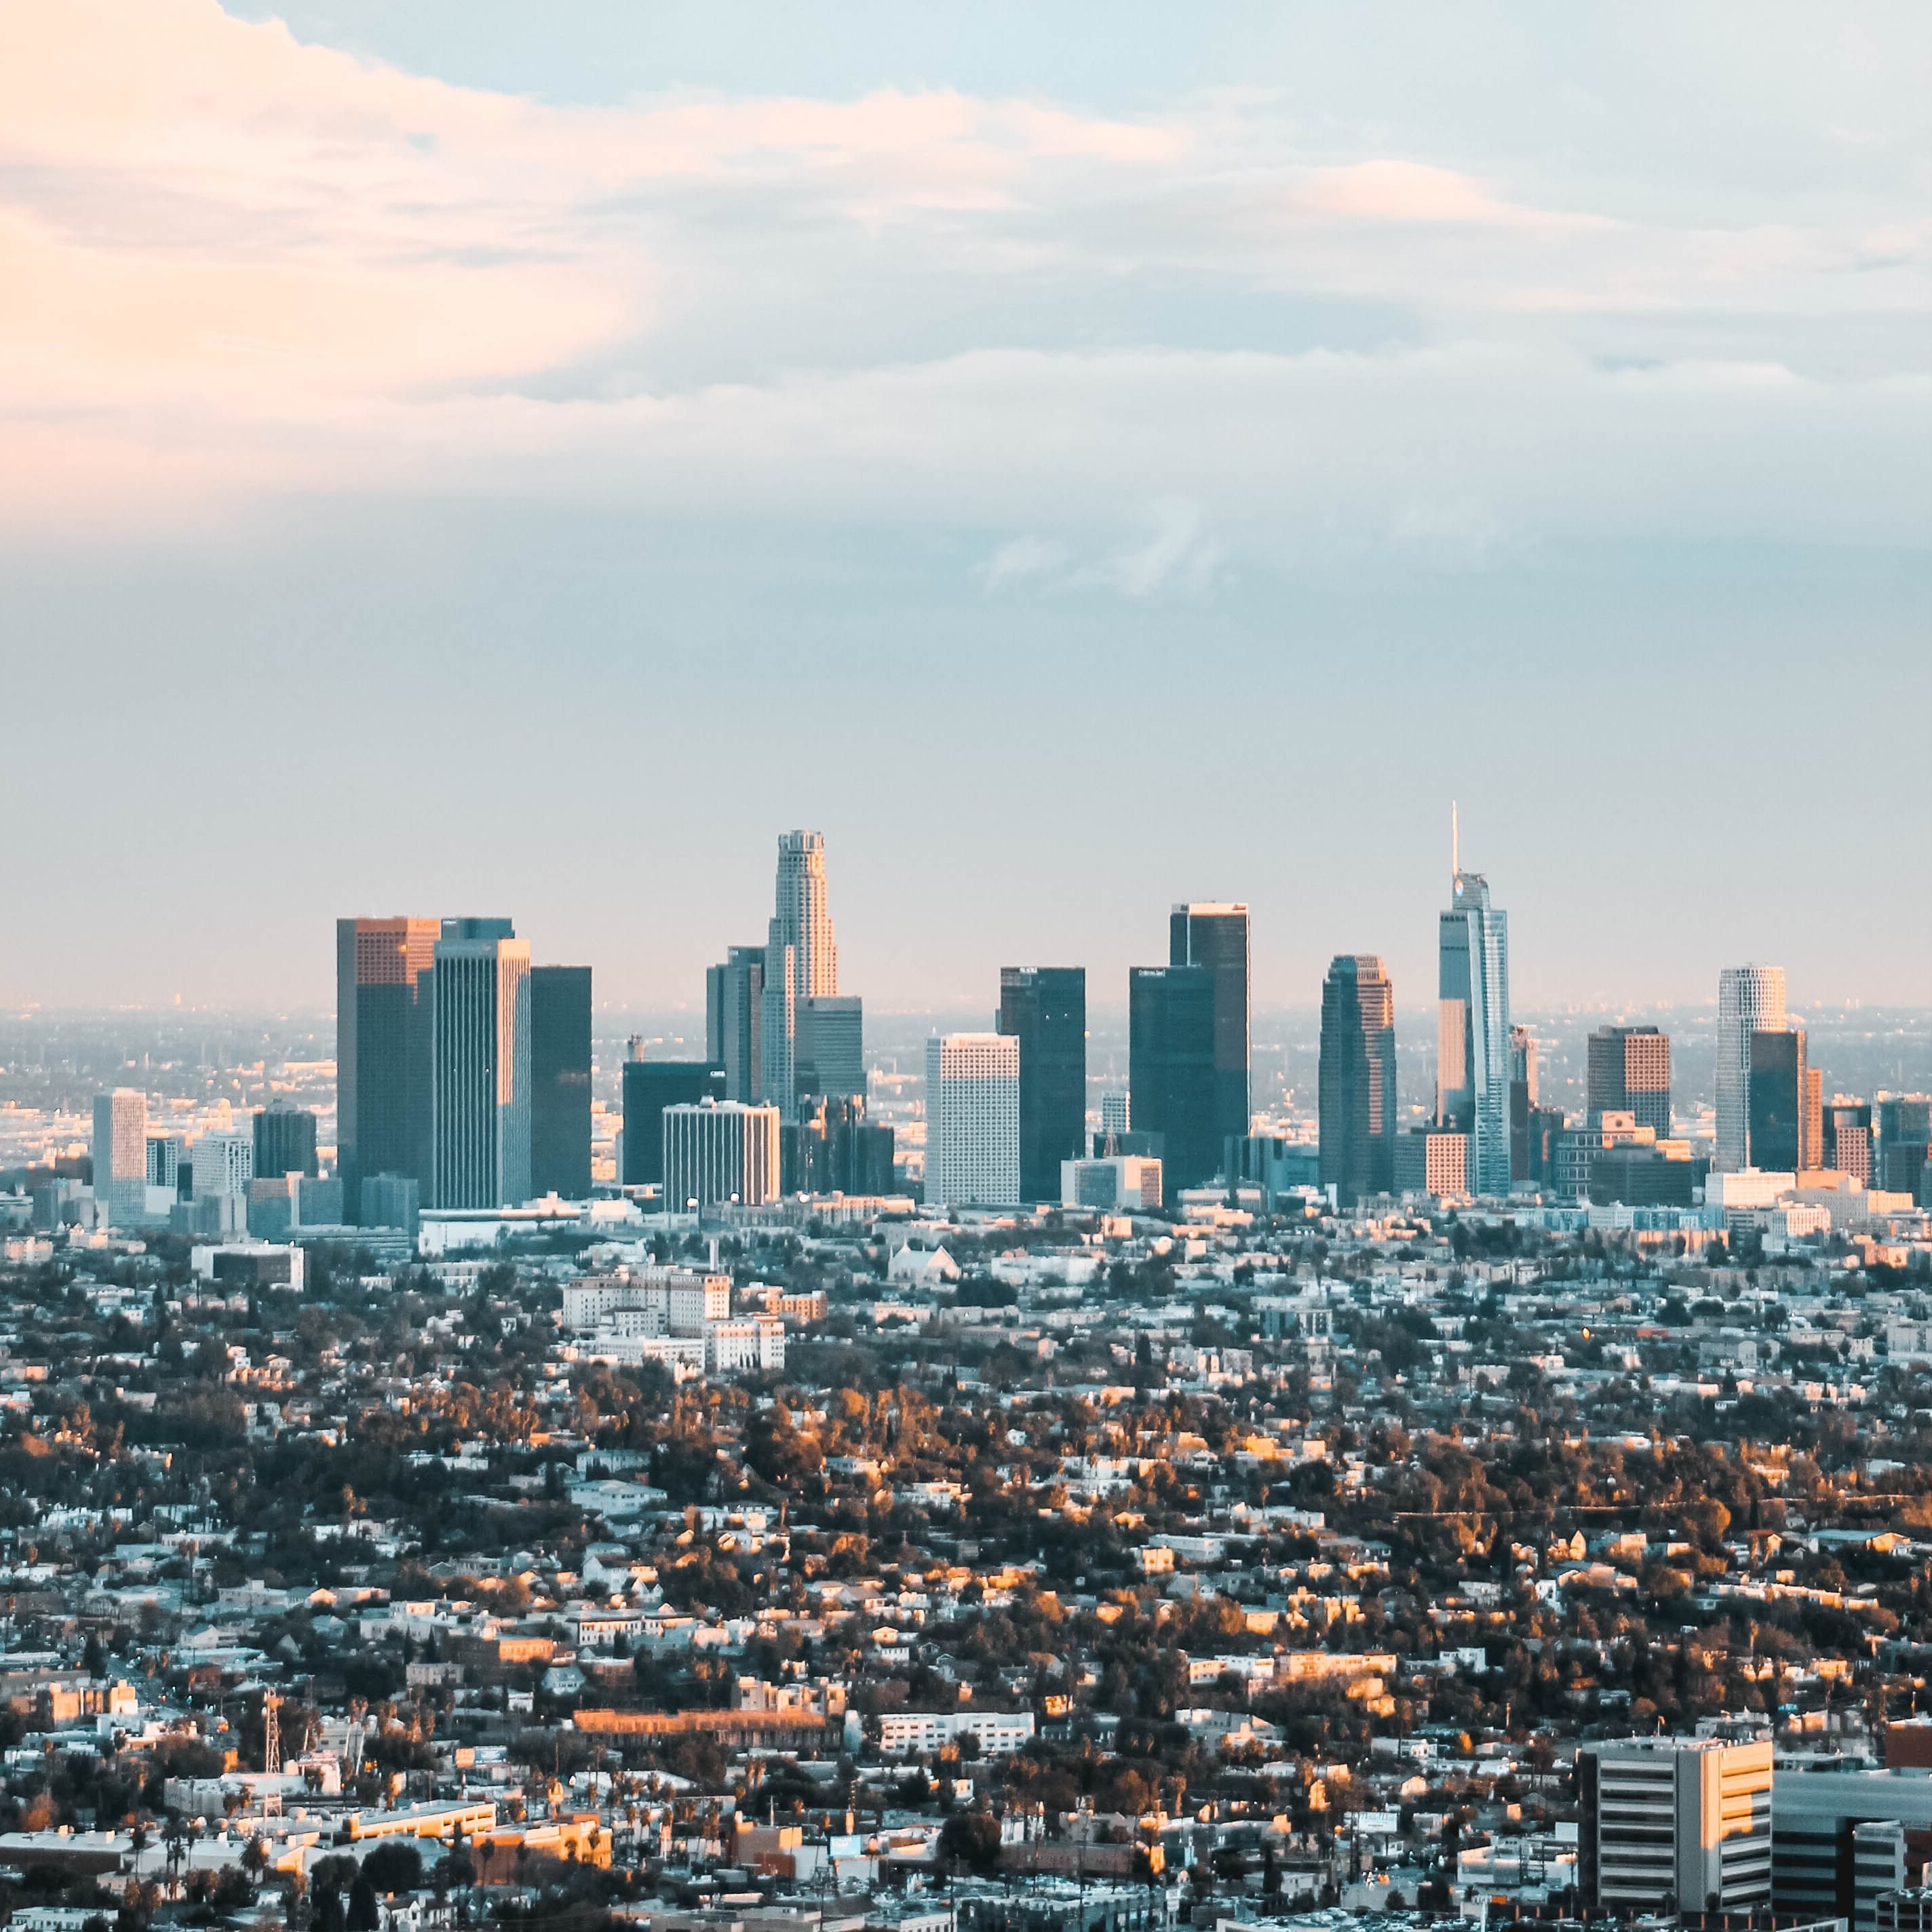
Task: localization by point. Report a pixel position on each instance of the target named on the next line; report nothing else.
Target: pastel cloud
(233, 263)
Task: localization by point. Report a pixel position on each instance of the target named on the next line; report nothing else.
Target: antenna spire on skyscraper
(1455, 848)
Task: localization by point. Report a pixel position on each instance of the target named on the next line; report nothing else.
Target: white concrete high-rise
(223, 1163)
(120, 1156)
(480, 1066)
(720, 1150)
(972, 1120)
(1750, 999)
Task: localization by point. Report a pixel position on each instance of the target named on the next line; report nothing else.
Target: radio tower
(271, 1751)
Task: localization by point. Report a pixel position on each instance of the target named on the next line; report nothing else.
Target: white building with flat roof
(223, 1161)
(972, 1120)
(998, 1733)
(720, 1150)
(1748, 1187)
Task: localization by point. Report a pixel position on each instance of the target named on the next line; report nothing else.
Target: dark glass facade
(1358, 1083)
(1778, 1095)
(1044, 1009)
(1641, 1177)
(734, 1000)
(384, 1039)
(1522, 1099)
(1215, 939)
(1904, 1128)
(284, 1142)
(1170, 1070)
(560, 1082)
(650, 1086)
(833, 1149)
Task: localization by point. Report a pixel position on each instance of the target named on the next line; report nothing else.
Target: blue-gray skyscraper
(1044, 1009)
(560, 1056)
(480, 1066)
(1357, 1093)
(1472, 1048)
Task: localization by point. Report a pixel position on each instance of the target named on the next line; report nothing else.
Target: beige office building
(1674, 1822)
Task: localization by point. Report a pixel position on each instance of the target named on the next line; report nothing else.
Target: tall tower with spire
(1472, 1041)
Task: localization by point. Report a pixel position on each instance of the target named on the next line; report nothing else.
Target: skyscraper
(835, 1025)
(120, 1156)
(972, 1120)
(284, 1142)
(1629, 1072)
(1170, 1073)
(1044, 1009)
(650, 1086)
(734, 1003)
(1358, 1083)
(480, 1066)
(383, 1088)
(223, 1161)
(833, 1149)
(801, 965)
(1523, 1102)
(1779, 1091)
(1472, 1064)
(1216, 937)
(1750, 999)
(560, 1082)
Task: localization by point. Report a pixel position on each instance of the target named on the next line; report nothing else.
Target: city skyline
(930, 1000)
(667, 988)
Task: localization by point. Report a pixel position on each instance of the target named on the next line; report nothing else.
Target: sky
(472, 458)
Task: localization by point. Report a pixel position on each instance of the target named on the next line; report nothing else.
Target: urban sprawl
(1023, 1506)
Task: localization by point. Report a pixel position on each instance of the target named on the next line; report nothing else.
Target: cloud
(1450, 531)
(1024, 559)
(1172, 552)
(235, 266)
(1405, 191)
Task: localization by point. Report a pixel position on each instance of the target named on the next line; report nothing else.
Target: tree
(232, 1890)
(454, 1871)
(394, 1866)
(364, 1914)
(970, 1839)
